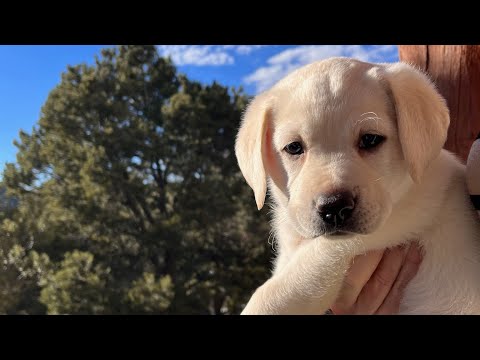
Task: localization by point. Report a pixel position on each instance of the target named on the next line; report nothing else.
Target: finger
(473, 168)
(378, 286)
(473, 173)
(409, 269)
(361, 270)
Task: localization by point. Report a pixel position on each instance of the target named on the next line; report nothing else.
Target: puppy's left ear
(422, 116)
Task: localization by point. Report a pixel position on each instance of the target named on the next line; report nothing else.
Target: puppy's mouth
(334, 235)
(339, 234)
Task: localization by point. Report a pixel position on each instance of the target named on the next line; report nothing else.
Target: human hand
(375, 282)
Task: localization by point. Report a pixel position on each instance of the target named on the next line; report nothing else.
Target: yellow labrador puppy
(352, 155)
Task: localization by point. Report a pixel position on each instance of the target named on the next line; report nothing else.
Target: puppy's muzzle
(336, 209)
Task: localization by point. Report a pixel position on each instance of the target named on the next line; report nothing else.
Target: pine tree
(129, 198)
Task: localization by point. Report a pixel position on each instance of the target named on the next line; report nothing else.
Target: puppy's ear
(252, 146)
(422, 116)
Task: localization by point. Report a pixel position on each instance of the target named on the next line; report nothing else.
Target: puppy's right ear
(251, 146)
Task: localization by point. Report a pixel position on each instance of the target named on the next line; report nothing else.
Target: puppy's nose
(337, 208)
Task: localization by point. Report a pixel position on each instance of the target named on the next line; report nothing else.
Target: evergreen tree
(128, 197)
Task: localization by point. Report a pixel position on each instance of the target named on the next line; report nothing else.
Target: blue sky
(29, 73)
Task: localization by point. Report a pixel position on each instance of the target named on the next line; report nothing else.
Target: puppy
(352, 155)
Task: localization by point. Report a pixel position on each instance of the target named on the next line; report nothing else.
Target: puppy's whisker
(369, 112)
(368, 116)
(272, 241)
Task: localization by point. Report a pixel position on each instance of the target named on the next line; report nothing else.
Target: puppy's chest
(448, 280)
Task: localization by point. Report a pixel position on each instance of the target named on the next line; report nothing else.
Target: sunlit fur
(406, 188)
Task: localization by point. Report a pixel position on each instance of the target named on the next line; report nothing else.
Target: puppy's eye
(369, 141)
(294, 148)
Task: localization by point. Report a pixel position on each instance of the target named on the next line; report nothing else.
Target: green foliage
(148, 295)
(128, 197)
(21, 278)
(77, 287)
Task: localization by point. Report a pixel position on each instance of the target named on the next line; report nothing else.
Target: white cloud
(244, 49)
(288, 60)
(202, 55)
(199, 55)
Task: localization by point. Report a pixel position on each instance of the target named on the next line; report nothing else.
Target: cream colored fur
(408, 188)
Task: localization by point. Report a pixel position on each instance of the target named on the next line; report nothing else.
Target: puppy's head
(341, 141)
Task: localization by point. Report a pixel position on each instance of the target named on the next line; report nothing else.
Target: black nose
(337, 208)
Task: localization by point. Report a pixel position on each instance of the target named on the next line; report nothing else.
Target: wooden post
(455, 70)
